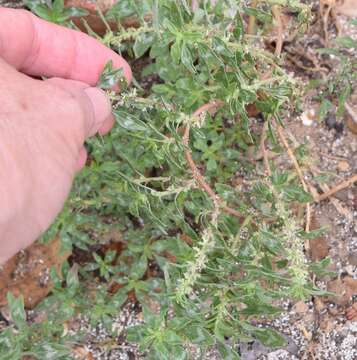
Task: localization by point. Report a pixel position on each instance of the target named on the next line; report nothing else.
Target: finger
(39, 48)
(67, 84)
(93, 101)
(101, 108)
(107, 125)
(82, 159)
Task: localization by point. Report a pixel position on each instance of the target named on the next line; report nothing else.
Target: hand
(43, 124)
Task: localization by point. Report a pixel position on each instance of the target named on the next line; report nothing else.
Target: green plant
(54, 11)
(165, 177)
(104, 265)
(337, 86)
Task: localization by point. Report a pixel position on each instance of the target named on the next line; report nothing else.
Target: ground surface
(14, 3)
(316, 329)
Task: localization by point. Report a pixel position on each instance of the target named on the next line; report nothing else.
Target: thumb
(94, 103)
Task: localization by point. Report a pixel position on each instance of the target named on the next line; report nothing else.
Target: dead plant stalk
(338, 187)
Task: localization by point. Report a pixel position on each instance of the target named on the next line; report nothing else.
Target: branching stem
(211, 107)
(298, 170)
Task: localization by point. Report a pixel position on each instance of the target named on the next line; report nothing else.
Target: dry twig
(351, 112)
(338, 187)
(325, 10)
(336, 203)
(279, 41)
(291, 155)
(251, 21)
(297, 63)
(295, 55)
(336, 21)
(332, 157)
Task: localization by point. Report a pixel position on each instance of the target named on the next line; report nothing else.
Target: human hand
(43, 124)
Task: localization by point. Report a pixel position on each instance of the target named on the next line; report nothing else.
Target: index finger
(39, 48)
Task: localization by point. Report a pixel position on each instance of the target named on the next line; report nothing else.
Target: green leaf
(17, 310)
(164, 90)
(271, 241)
(162, 350)
(91, 267)
(238, 29)
(58, 6)
(175, 51)
(279, 179)
(136, 334)
(269, 338)
(282, 264)
(259, 308)
(72, 280)
(42, 11)
(9, 345)
(97, 258)
(211, 165)
(139, 268)
(110, 77)
(207, 55)
(223, 329)
(74, 12)
(159, 48)
(153, 320)
(342, 98)
(110, 256)
(51, 351)
(198, 335)
(119, 298)
(170, 26)
(121, 9)
(226, 352)
(261, 15)
(347, 42)
(321, 268)
(325, 107)
(178, 353)
(128, 121)
(297, 193)
(225, 191)
(313, 233)
(142, 43)
(187, 58)
(221, 48)
(329, 51)
(172, 337)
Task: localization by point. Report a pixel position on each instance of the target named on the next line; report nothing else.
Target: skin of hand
(43, 124)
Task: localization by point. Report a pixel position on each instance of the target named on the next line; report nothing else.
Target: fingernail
(101, 108)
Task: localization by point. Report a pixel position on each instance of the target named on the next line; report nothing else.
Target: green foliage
(54, 11)
(213, 272)
(40, 341)
(337, 86)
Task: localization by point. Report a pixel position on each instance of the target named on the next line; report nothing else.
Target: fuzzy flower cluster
(195, 267)
(294, 246)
